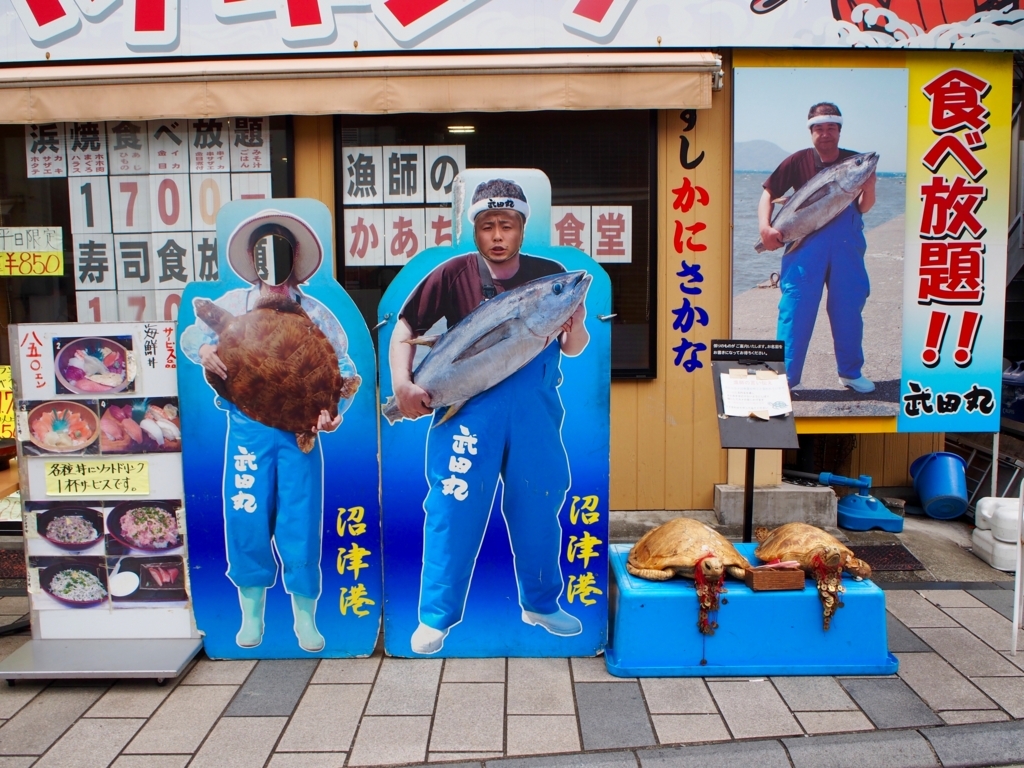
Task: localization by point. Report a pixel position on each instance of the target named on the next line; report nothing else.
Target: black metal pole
(748, 499)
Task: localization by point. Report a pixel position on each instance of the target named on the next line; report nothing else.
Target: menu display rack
(98, 431)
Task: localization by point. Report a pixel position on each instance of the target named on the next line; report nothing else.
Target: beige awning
(359, 85)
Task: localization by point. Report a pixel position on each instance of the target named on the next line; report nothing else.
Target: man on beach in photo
(833, 256)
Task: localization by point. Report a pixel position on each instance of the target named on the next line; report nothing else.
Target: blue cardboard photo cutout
(495, 519)
(283, 518)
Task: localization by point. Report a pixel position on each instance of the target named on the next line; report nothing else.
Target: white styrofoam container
(999, 516)
(998, 554)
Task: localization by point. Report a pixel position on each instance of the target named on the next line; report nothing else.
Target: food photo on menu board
(94, 365)
(143, 526)
(140, 425)
(67, 582)
(59, 427)
(135, 580)
(65, 527)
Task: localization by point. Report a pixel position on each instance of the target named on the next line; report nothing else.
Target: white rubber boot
(428, 640)
(253, 600)
(304, 610)
(557, 623)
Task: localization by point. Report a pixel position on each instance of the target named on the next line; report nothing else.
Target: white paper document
(760, 395)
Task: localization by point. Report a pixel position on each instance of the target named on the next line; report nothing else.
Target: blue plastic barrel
(940, 479)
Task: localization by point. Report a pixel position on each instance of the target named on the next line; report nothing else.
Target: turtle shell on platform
(820, 554)
(687, 547)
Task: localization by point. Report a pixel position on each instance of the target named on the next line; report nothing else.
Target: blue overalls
(513, 431)
(282, 497)
(272, 492)
(832, 256)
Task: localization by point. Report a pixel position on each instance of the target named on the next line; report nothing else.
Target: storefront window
(394, 189)
(135, 203)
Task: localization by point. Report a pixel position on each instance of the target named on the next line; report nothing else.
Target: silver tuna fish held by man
(822, 198)
(495, 340)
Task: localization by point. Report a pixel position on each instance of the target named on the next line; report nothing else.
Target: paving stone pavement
(958, 700)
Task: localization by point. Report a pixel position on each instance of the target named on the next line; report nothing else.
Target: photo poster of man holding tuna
(495, 387)
(280, 454)
(818, 205)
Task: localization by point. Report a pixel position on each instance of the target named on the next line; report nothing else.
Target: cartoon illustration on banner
(818, 235)
(498, 340)
(955, 264)
(145, 26)
(279, 348)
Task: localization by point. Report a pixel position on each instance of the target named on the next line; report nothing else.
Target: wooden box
(762, 581)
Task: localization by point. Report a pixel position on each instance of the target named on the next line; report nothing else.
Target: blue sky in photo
(771, 104)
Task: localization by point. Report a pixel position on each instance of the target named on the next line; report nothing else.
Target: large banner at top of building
(104, 29)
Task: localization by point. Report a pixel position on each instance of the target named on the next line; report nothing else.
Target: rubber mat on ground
(888, 557)
(12, 564)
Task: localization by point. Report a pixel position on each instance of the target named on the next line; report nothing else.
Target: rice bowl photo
(72, 528)
(75, 584)
(94, 365)
(62, 426)
(150, 526)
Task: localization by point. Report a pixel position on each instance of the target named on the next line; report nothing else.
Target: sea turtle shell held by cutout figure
(282, 370)
(686, 547)
(820, 554)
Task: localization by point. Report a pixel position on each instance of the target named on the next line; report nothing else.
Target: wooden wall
(665, 450)
(314, 161)
(886, 458)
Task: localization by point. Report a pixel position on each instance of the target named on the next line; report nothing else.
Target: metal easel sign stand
(750, 376)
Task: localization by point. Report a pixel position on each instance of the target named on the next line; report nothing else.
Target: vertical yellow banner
(958, 163)
(6, 403)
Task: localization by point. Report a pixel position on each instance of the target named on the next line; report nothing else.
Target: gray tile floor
(958, 700)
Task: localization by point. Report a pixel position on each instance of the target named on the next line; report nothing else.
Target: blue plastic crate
(654, 630)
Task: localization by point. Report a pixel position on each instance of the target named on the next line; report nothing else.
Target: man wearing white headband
(832, 256)
(516, 424)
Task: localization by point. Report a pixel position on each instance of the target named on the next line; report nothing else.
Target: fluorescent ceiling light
(461, 129)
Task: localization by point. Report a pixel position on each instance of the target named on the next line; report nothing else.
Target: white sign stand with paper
(98, 430)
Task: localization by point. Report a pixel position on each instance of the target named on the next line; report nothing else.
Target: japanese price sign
(31, 251)
(97, 478)
(6, 403)
(955, 258)
(45, 156)
(144, 198)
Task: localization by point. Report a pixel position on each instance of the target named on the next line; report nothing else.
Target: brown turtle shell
(800, 542)
(675, 547)
(820, 554)
(282, 369)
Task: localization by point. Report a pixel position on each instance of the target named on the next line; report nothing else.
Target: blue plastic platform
(654, 630)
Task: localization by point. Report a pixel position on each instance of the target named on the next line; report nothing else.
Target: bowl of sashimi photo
(94, 365)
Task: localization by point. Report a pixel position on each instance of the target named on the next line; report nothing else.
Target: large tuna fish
(495, 340)
(822, 198)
